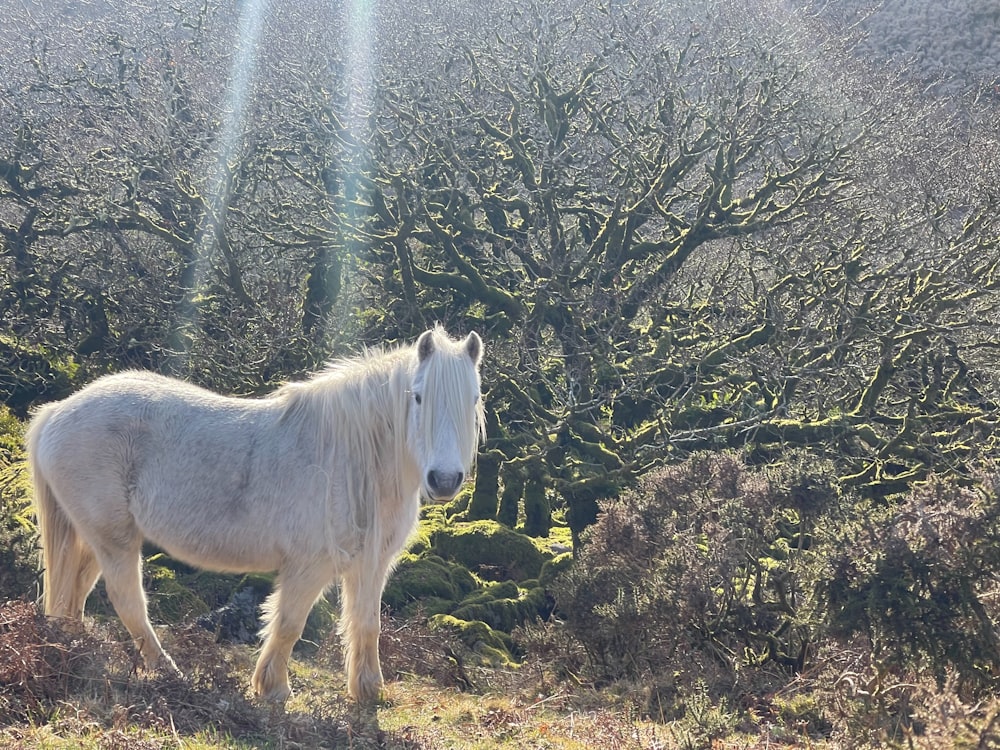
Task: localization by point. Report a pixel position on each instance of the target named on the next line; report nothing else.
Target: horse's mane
(360, 405)
(353, 405)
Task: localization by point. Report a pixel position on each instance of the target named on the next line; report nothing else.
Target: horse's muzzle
(444, 485)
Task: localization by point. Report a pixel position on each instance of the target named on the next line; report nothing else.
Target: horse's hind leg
(122, 568)
(87, 571)
(285, 614)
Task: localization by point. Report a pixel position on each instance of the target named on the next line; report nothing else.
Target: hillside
(952, 46)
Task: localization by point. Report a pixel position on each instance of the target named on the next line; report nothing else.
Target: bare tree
(679, 227)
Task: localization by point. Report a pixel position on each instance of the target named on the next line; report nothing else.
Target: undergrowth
(718, 605)
(86, 689)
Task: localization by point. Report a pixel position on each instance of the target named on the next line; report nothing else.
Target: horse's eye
(417, 398)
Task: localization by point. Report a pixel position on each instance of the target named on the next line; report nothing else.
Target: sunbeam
(359, 81)
(221, 169)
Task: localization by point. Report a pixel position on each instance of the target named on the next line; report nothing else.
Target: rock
(237, 620)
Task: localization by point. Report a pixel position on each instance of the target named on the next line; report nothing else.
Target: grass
(85, 690)
(66, 690)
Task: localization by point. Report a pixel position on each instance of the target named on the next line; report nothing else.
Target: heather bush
(714, 562)
(920, 582)
(707, 556)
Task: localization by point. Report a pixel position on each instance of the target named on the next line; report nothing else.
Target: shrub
(18, 557)
(919, 581)
(706, 555)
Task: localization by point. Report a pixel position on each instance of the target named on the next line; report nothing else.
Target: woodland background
(737, 267)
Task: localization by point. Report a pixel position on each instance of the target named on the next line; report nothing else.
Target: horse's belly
(225, 560)
(214, 536)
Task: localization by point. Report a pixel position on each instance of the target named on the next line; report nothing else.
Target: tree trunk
(537, 511)
(510, 499)
(487, 489)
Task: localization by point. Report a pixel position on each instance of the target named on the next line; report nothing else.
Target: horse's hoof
(166, 666)
(278, 694)
(366, 692)
(72, 626)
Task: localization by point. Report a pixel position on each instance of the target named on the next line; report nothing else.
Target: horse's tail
(59, 541)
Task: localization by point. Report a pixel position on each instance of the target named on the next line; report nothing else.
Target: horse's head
(446, 412)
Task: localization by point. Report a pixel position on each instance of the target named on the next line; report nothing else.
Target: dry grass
(60, 689)
(85, 689)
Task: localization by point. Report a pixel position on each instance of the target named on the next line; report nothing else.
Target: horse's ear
(425, 345)
(474, 347)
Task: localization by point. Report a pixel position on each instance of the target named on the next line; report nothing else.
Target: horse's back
(108, 419)
(193, 470)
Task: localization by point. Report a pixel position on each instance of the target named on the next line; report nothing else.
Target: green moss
(494, 648)
(262, 583)
(426, 583)
(18, 556)
(552, 569)
(433, 518)
(492, 547)
(322, 618)
(170, 600)
(492, 592)
(504, 606)
(802, 712)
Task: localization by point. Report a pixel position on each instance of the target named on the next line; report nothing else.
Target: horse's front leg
(361, 600)
(285, 613)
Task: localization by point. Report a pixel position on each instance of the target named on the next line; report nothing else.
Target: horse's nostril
(444, 482)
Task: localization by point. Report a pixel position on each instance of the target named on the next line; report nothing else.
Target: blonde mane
(352, 406)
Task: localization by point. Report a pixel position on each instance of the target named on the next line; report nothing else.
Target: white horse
(319, 481)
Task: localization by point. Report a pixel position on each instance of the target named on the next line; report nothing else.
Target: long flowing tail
(59, 542)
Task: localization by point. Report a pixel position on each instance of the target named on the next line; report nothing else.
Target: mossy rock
(215, 589)
(494, 648)
(552, 569)
(321, 620)
(490, 549)
(504, 606)
(319, 624)
(426, 583)
(432, 519)
(492, 592)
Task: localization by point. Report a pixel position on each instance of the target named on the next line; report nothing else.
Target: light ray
(359, 47)
(218, 182)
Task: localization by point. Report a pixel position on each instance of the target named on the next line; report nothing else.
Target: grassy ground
(85, 690)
